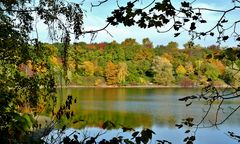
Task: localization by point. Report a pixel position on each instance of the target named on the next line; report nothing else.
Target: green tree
(211, 71)
(163, 71)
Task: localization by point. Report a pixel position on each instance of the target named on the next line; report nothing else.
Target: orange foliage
(219, 65)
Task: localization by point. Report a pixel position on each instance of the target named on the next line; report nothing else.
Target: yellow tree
(122, 72)
(181, 70)
(89, 68)
(111, 73)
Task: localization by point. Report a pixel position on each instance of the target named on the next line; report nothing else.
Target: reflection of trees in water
(97, 118)
(151, 103)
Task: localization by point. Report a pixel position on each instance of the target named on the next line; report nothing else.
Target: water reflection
(156, 108)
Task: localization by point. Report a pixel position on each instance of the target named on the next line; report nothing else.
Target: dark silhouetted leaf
(187, 131)
(138, 140)
(185, 4)
(195, 17)
(176, 34)
(203, 21)
(75, 136)
(179, 126)
(184, 99)
(199, 14)
(203, 33)
(192, 138)
(192, 27)
(64, 127)
(185, 139)
(127, 141)
(188, 104)
(224, 21)
(186, 20)
(135, 134)
(189, 142)
(225, 38)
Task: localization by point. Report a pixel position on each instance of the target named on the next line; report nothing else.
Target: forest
(130, 63)
(31, 71)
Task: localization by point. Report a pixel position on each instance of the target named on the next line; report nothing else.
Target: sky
(96, 18)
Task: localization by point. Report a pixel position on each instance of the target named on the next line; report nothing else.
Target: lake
(154, 108)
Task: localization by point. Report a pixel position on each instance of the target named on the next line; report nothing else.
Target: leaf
(224, 21)
(203, 21)
(150, 131)
(138, 11)
(135, 134)
(165, 21)
(130, 4)
(179, 126)
(186, 139)
(238, 39)
(203, 33)
(187, 131)
(75, 137)
(64, 127)
(184, 99)
(211, 34)
(189, 142)
(127, 141)
(198, 13)
(186, 20)
(176, 34)
(224, 38)
(188, 104)
(195, 17)
(138, 140)
(185, 4)
(192, 138)
(193, 27)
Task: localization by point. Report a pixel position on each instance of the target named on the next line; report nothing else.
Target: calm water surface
(154, 108)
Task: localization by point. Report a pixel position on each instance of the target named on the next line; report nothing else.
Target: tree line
(132, 63)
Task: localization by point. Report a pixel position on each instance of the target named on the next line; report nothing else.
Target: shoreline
(137, 86)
